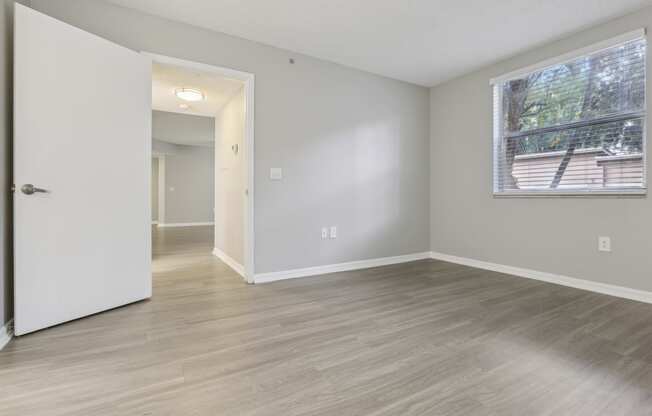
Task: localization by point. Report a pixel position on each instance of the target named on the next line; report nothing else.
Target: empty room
(312, 207)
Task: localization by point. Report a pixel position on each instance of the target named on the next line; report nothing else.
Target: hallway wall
(186, 143)
(189, 185)
(154, 186)
(230, 179)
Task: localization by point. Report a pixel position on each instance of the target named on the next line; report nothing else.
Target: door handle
(29, 189)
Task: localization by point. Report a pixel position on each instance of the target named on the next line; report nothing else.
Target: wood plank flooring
(423, 338)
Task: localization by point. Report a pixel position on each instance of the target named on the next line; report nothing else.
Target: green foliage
(589, 88)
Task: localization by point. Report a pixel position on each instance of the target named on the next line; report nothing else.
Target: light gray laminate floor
(424, 338)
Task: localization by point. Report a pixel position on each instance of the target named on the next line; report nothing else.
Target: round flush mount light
(189, 94)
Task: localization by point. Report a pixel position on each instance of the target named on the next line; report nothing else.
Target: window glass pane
(615, 138)
(591, 157)
(608, 82)
(574, 127)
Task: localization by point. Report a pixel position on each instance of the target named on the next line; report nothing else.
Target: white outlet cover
(275, 174)
(604, 244)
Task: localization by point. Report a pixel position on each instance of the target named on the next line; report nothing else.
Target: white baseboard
(185, 224)
(6, 333)
(604, 288)
(239, 268)
(339, 267)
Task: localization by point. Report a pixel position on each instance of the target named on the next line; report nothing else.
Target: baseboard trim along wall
(185, 224)
(6, 333)
(239, 268)
(604, 288)
(339, 267)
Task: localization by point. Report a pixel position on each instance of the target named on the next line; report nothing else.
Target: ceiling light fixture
(189, 94)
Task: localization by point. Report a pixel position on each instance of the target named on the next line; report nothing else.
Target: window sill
(635, 193)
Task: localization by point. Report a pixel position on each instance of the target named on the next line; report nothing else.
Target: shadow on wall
(6, 174)
(363, 170)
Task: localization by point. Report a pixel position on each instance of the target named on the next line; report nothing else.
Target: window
(575, 126)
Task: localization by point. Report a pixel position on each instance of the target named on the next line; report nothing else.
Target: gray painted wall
(185, 129)
(230, 179)
(163, 148)
(353, 146)
(154, 185)
(547, 234)
(189, 170)
(190, 184)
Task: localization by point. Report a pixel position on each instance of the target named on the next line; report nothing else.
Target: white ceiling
(421, 41)
(167, 78)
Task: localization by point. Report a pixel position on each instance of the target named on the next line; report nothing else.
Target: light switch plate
(275, 174)
(333, 232)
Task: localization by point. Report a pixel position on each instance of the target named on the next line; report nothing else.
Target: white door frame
(248, 151)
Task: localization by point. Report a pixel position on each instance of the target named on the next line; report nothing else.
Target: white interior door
(82, 133)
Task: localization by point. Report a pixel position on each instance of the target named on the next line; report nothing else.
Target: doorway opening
(201, 165)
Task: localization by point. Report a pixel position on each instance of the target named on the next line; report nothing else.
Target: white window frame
(496, 84)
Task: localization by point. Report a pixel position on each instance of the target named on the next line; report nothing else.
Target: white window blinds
(575, 127)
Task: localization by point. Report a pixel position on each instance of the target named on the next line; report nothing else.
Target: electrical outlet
(333, 231)
(324, 233)
(604, 244)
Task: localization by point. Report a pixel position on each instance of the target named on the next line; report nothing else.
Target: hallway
(182, 262)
